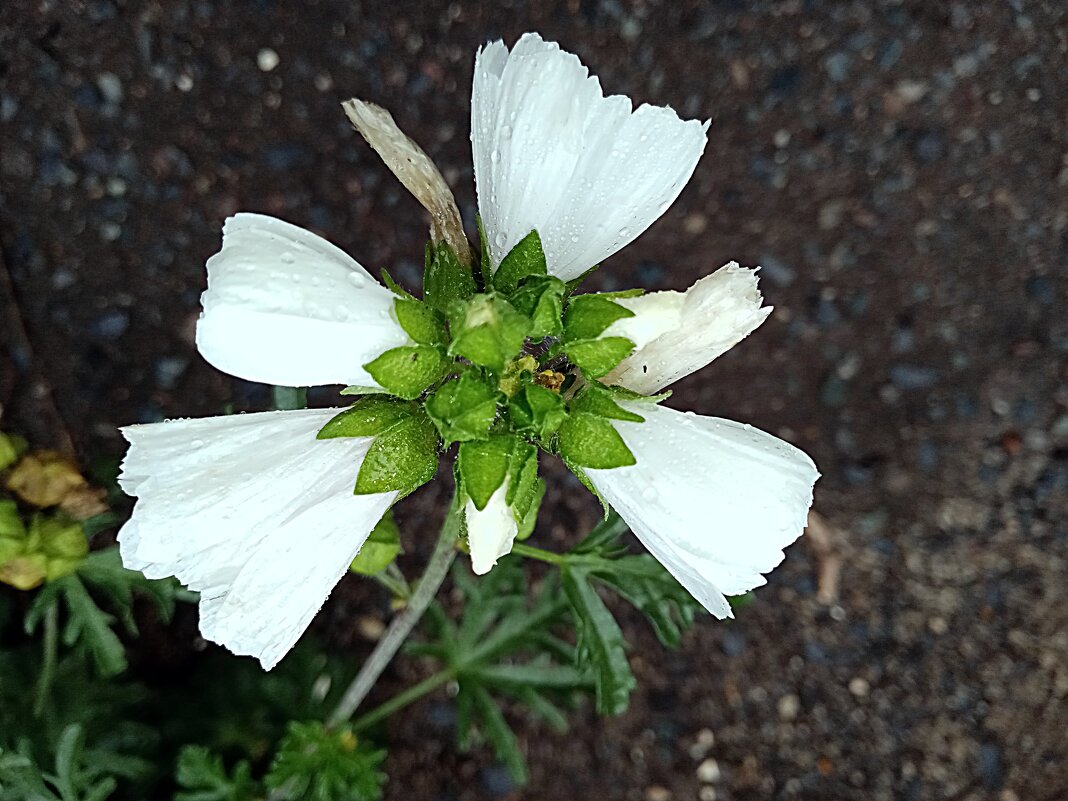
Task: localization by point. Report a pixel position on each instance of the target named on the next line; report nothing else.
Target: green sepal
(401, 459)
(487, 331)
(394, 287)
(588, 440)
(424, 325)
(368, 417)
(463, 409)
(380, 548)
(408, 370)
(445, 278)
(587, 316)
(574, 283)
(357, 389)
(527, 258)
(600, 400)
(542, 300)
(483, 466)
(525, 489)
(484, 266)
(597, 357)
(537, 411)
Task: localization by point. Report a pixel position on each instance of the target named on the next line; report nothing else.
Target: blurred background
(899, 169)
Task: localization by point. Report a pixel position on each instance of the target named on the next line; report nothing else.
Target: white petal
(715, 501)
(552, 153)
(251, 511)
(413, 168)
(491, 532)
(284, 306)
(713, 316)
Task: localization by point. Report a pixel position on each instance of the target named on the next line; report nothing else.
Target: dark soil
(900, 170)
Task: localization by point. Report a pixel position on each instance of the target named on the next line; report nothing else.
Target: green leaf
(445, 279)
(597, 357)
(488, 331)
(574, 283)
(87, 624)
(537, 411)
(203, 777)
(408, 370)
(9, 450)
(525, 489)
(500, 734)
(463, 409)
(314, 763)
(380, 548)
(402, 458)
(587, 316)
(542, 300)
(484, 466)
(600, 643)
(524, 260)
(368, 417)
(424, 325)
(588, 440)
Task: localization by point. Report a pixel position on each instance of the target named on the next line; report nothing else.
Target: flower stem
(402, 699)
(540, 554)
(436, 570)
(48, 663)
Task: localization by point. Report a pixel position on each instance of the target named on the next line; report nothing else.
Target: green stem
(289, 397)
(48, 663)
(540, 554)
(401, 700)
(436, 570)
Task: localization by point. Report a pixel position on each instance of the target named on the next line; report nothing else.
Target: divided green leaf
(316, 763)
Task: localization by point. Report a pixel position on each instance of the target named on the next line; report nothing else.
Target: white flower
(715, 501)
(491, 531)
(252, 511)
(284, 306)
(553, 154)
(677, 333)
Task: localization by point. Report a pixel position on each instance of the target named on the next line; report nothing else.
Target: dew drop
(198, 443)
(499, 240)
(287, 258)
(506, 132)
(356, 279)
(574, 238)
(649, 494)
(295, 277)
(315, 280)
(495, 156)
(341, 314)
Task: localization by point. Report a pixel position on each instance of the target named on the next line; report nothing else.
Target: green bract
(380, 548)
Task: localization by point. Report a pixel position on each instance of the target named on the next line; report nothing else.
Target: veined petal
(413, 168)
(715, 501)
(253, 512)
(491, 532)
(285, 306)
(710, 318)
(553, 154)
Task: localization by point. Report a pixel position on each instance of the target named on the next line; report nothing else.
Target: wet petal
(251, 511)
(491, 532)
(553, 154)
(284, 306)
(710, 318)
(715, 501)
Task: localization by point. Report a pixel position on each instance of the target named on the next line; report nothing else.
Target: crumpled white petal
(251, 511)
(678, 333)
(715, 501)
(284, 306)
(553, 154)
(491, 532)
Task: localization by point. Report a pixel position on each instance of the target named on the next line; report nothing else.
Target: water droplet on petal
(287, 258)
(495, 156)
(649, 494)
(356, 279)
(341, 314)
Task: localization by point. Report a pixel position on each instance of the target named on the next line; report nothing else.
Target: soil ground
(900, 170)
